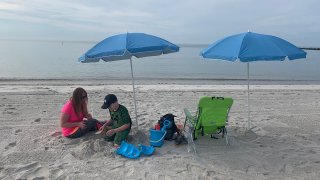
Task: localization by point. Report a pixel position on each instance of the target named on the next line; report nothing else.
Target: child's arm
(122, 128)
(103, 127)
(119, 129)
(108, 122)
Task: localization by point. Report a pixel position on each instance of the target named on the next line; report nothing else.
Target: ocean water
(59, 60)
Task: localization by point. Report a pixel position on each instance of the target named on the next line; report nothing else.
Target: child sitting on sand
(118, 128)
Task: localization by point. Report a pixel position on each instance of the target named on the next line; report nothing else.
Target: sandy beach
(283, 143)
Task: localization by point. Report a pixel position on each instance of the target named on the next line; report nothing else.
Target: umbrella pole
(248, 95)
(134, 94)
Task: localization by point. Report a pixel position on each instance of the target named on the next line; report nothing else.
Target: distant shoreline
(200, 45)
(151, 81)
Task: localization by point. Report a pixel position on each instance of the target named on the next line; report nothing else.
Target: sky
(178, 21)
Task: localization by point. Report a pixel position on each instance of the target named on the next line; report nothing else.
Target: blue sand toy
(157, 137)
(128, 150)
(166, 125)
(146, 150)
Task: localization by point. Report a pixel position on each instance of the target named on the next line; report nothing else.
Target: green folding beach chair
(211, 117)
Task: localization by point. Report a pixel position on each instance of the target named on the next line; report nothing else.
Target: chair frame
(192, 122)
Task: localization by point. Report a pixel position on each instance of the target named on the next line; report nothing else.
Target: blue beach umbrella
(125, 46)
(249, 47)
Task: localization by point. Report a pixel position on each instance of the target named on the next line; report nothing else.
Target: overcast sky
(179, 21)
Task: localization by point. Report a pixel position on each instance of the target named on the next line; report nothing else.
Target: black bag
(172, 129)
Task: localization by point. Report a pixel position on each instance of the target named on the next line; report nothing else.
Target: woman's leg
(78, 133)
(93, 124)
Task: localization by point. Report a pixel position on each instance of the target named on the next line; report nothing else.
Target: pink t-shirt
(69, 110)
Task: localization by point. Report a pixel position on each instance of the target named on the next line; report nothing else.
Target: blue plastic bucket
(157, 137)
(166, 125)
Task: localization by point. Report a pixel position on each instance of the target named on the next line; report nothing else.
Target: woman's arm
(64, 122)
(85, 110)
(88, 116)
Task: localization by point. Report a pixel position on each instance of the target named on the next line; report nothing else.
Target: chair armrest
(189, 118)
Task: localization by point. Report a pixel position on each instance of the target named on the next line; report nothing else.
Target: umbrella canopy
(253, 47)
(249, 47)
(125, 46)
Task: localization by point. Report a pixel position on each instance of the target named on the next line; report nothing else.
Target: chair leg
(193, 146)
(194, 134)
(184, 124)
(213, 137)
(226, 133)
(223, 131)
(190, 138)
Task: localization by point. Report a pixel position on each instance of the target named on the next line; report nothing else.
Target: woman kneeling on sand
(73, 114)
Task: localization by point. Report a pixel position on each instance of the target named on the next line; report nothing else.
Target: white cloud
(194, 21)
(8, 6)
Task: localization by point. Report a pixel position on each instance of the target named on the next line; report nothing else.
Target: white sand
(284, 142)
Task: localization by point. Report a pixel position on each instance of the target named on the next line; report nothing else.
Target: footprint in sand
(11, 145)
(26, 167)
(10, 108)
(31, 171)
(17, 131)
(56, 134)
(10, 111)
(37, 120)
(56, 173)
(53, 91)
(129, 171)
(143, 123)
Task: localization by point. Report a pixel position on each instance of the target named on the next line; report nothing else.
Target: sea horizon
(58, 60)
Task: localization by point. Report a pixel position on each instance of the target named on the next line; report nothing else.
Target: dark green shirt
(120, 117)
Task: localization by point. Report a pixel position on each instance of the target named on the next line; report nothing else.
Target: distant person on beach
(118, 127)
(75, 119)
